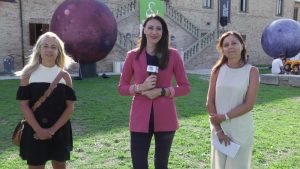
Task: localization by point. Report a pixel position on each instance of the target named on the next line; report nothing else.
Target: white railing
(201, 44)
(120, 13)
(181, 20)
(125, 42)
(125, 10)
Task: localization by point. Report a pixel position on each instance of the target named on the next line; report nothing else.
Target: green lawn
(264, 69)
(101, 136)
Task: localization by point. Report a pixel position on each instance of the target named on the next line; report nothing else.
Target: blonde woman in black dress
(47, 133)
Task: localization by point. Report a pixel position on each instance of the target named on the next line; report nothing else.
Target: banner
(225, 6)
(148, 7)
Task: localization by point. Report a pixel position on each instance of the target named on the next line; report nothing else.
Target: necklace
(236, 65)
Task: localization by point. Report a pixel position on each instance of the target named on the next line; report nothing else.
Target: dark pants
(140, 144)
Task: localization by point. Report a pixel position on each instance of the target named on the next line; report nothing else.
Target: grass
(264, 69)
(101, 136)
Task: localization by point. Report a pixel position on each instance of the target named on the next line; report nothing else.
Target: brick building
(192, 23)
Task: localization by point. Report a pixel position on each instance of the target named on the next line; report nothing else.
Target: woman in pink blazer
(153, 110)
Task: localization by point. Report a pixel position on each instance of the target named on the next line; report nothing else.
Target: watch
(163, 92)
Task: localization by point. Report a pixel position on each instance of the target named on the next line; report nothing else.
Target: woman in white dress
(231, 95)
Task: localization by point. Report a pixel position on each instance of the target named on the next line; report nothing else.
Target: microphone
(152, 70)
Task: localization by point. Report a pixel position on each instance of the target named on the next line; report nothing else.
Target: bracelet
(137, 88)
(226, 117)
(219, 131)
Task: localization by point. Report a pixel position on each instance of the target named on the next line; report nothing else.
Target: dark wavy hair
(162, 47)
(223, 59)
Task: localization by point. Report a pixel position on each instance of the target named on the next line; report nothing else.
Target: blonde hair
(223, 59)
(63, 60)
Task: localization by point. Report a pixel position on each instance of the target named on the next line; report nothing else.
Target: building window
(36, 30)
(279, 5)
(14, 1)
(207, 3)
(296, 14)
(244, 6)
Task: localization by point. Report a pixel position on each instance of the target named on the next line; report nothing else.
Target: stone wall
(10, 36)
(251, 24)
(280, 80)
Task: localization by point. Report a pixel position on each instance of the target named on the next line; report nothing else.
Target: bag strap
(48, 91)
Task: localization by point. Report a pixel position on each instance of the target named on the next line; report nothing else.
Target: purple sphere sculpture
(282, 36)
(87, 27)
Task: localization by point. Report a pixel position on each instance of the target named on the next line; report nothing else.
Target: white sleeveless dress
(231, 89)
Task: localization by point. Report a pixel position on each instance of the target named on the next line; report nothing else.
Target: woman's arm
(249, 101)
(125, 88)
(211, 108)
(183, 86)
(63, 118)
(210, 101)
(68, 111)
(29, 117)
(252, 91)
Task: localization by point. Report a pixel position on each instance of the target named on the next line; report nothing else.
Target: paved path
(198, 71)
(6, 77)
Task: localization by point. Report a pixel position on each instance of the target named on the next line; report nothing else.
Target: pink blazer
(165, 115)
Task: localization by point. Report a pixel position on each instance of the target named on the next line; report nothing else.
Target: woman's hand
(223, 138)
(152, 94)
(42, 134)
(216, 119)
(149, 83)
(51, 131)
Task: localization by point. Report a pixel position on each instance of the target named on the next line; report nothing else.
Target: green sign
(148, 7)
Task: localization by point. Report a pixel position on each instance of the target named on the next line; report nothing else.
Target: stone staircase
(126, 43)
(207, 54)
(202, 42)
(196, 48)
(204, 60)
(124, 11)
(193, 52)
(181, 20)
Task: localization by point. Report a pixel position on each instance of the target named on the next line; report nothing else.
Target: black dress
(58, 148)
